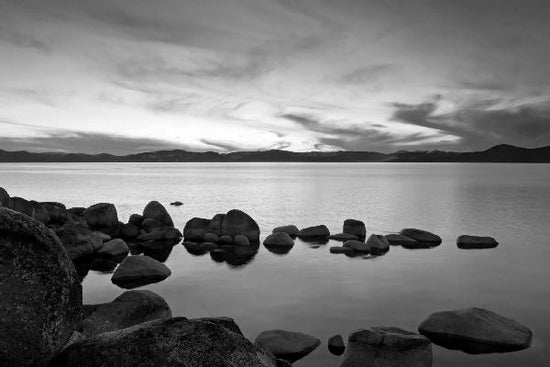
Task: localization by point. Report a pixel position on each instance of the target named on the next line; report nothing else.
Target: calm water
(313, 291)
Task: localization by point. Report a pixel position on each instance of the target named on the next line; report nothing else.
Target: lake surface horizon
(312, 291)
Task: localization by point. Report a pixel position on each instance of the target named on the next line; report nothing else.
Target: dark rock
(22, 206)
(399, 240)
(423, 238)
(128, 309)
(341, 250)
(314, 232)
(357, 246)
(115, 248)
(129, 230)
(343, 237)
(40, 212)
(156, 210)
(41, 298)
(211, 237)
(173, 342)
(378, 244)
(194, 248)
(476, 330)
(57, 211)
(4, 197)
(238, 222)
(226, 322)
(475, 242)
(78, 239)
(215, 225)
(176, 203)
(151, 236)
(195, 229)
(150, 224)
(283, 363)
(387, 347)
(287, 345)
(282, 239)
(172, 234)
(135, 219)
(241, 240)
(225, 240)
(355, 227)
(336, 345)
(135, 271)
(77, 210)
(101, 216)
(207, 246)
(291, 230)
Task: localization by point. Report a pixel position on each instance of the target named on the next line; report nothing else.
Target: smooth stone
(336, 345)
(314, 231)
(283, 363)
(210, 237)
(172, 342)
(193, 248)
(421, 236)
(57, 211)
(357, 246)
(476, 330)
(241, 240)
(207, 246)
(215, 225)
(156, 235)
(226, 322)
(41, 297)
(172, 234)
(135, 271)
(128, 309)
(195, 229)
(225, 240)
(378, 244)
(287, 345)
(129, 230)
(342, 237)
(77, 210)
(157, 211)
(291, 230)
(396, 239)
(151, 224)
(238, 222)
(341, 250)
(355, 227)
(475, 242)
(116, 247)
(176, 203)
(282, 239)
(135, 219)
(100, 216)
(387, 347)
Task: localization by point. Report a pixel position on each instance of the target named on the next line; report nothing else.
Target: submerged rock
(135, 271)
(399, 240)
(387, 347)
(475, 242)
(341, 250)
(343, 237)
(378, 244)
(476, 330)
(282, 239)
(355, 227)
(41, 297)
(314, 232)
(423, 238)
(291, 230)
(357, 246)
(238, 222)
(336, 345)
(287, 345)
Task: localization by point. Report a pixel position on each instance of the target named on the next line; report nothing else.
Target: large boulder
(128, 309)
(102, 216)
(226, 322)
(241, 240)
(78, 239)
(355, 227)
(173, 342)
(476, 330)
(57, 212)
(423, 238)
(135, 271)
(40, 212)
(475, 242)
(195, 229)
(287, 345)
(378, 244)
(314, 232)
(41, 298)
(387, 347)
(396, 239)
(290, 229)
(156, 210)
(279, 239)
(238, 222)
(115, 248)
(215, 225)
(22, 206)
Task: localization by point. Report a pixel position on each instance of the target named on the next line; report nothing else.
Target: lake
(311, 290)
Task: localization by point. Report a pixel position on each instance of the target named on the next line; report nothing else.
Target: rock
(399, 240)
(115, 248)
(128, 309)
(4, 197)
(173, 342)
(172, 234)
(156, 210)
(176, 203)
(241, 240)
(282, 239)
(215, 225)
(22, 206)
(315, 231)
(102, 236)
(135, 271)
(238, 222)
(287, 345)
(151, 236)
(475, 242)
(78, 239)
(129, 230)
(195, 229)
(355, 227)
(193, 248)
(387, 347)
(283, 363)
(135, 219)
(57, 212)
(225, 240)
(336, 345)
(423, 238)
(40, 212)
(378, 244)
(343, 237)
(357, 246)
(211, 237)
(150, 224)
(476, 330)
(102, 215)
(341, 250)
(207, 246)
(41, 297)
(291, 230)
(226, 322)
(77, 210)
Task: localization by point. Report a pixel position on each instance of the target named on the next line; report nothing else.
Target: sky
(126, 76)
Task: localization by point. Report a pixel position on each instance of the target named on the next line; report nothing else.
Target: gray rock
(336, 345)
(151, 224)
(241, 240)
(41, 298)
(22, 206)
(78, 239)
(77, 210)
(156, 210)
(57, 211)
(101, 216)
(355, 227)
(225, 240)
(172, 234)
(396, 239)
(279, 239)
(155, 235)
(378, 244)
(4, 197)
(224, 321)
(341, 250)
(475, 242)
(215, 225)
(476, 330)
(357, 246)
(115, 248)
(287, 345)
(40, 212)
(129, 230)
(176, 203)
(135, 271)
(135, 219)
(195, 229)
(238, 222)
(173, 342)
(343, 237)
(423, 238)
(211, 237)
(291, 230)
(315, 231)
(207, 246)
(128, 309)
(387, 347)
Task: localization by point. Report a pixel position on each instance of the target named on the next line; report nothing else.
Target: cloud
(23, 40)
(219, 145)
(367, 75)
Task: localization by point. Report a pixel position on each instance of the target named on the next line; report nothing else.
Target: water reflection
(278, 250)
(158, 250)
(234, 256)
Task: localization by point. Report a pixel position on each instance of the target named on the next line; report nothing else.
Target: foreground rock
(320, 231)
(78, 239)
(287, 345)
(173, 342)
(102, 217)
(356, 228)
(422, 238)
(475, 242)
(128, 309)
(291, 230)
(238, 222)
(378, 244)
(396, 239)
(226, 322)
(135, 271)
(279, 239)
(357, 246)
(336, 345)
(114, 248)
(343, 237)
(195, 229)
(157, 211)
(476, 330)
(387, 347)
(41, 298)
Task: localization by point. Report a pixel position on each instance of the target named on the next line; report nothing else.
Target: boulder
(315, 231)
(341, 250)
(151, 236)
(475, 242)
(387, 347)
(135, 219)
(225, 240)
(129, 230)
(135, 271)
(226, 322)
(150, 224)
(287, 345)
(238, 222)
(173, 342)
(378, 244)
(22, 206)
(195, 229)
(115, 248)
(207, 246)
(282, 239)
(291, 230)
(193, 248)
(77, 210)
(241, 240)
(128, 309)
(396, 239)
(283, 363)
(355, 227)
(40, 212)
(156, 210)
(41, 298)
(357, 246)
(476, 330)
(423, 238)
(172, 234)
(215, 225)
(343, 237)
(336, 345)
(210, 237)
(57, 212)
(101, 216)
(78, 239)
(4, 197)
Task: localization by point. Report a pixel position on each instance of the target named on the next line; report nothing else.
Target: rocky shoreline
(47, 248)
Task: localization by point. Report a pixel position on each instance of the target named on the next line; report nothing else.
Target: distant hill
(499, 153)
